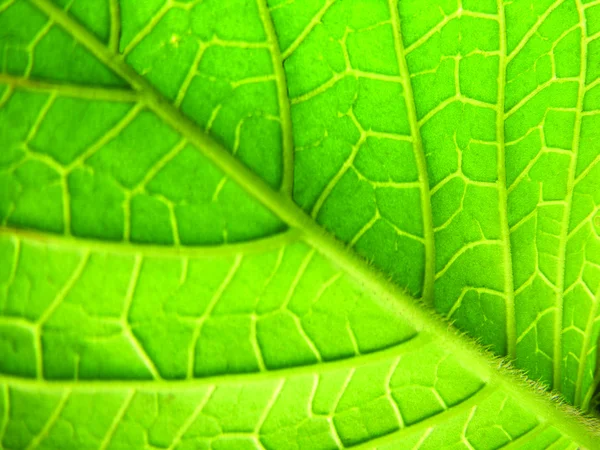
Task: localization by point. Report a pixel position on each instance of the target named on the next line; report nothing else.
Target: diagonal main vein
(280, 204)
(389, 296)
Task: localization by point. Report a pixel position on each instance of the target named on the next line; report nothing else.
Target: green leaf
(175, 181)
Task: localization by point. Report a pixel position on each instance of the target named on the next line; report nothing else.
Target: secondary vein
(430, 422)
(428, 279)
(564, 237)
(71, 90)
(287, 182)
(414, 343)
(509, 289)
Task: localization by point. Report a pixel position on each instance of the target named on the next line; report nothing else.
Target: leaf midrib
(389, 296)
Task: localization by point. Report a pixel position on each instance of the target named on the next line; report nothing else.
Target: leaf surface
(176, 178)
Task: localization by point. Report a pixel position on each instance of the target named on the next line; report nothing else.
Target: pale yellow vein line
(336, 402)
(592, 84)
(32, 155)
(17, 321)
(287, 181)
(117, 419)
(126, 326)
(158, 166)
(268, 407)
(151, 25)
(43, 112)
(31, 47)
(366, 227)
(191, 419)
(331, 185)
(390, 396)
(585, 404)
(50, 423)
(439, 107)
(260, 361)
(16, 260)
(571, 446)
(423, 438)
(566, 219)
(464, 439)
(532, 31)
(71, 90)
(437, 419)
(66, 205)
(311, 26)
(591, 4)
(6, 95)
(60, 296)
(585, 347)
(436, 29)
(218, 294)
(320, 89)
(304, 335)
(299, 274)
(562, 443)
(6, 5)
(310, 401)
(464, 249)
(428, 277)
(509, 288)
(192, 72)
(584, 173)
(523, 101)
(106, 137)
(528, 437)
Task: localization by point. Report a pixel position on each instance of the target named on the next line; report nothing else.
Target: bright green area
(246, 309)
(355, 372)
(451, 144)
(516, 248)
(90, 179)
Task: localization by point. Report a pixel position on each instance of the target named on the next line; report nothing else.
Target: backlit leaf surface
(175, 181)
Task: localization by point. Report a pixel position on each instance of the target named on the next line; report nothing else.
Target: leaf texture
(177, 175)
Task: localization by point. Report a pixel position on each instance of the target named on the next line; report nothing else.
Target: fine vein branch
(390, 296)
